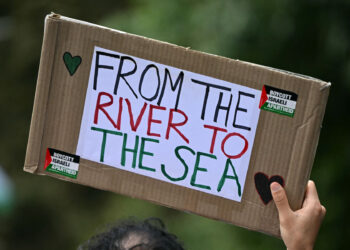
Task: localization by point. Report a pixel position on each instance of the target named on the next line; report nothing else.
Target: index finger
(311, 193)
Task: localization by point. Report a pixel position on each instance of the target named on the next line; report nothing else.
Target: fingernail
(275, 186)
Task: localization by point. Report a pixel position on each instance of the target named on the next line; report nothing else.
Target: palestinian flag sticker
(278, 101)
(62, 163)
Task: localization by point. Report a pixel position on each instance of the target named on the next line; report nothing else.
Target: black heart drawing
(262, 185)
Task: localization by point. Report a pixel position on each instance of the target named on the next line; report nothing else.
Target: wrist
(300, 248)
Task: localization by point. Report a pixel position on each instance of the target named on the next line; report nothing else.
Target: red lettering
(215, 131)
(119, 121)
(101, 107)
(151, 120)
(241, 153)
(175, 125)
(133, 125)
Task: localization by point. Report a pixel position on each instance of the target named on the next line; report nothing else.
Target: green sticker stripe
(276, 109)
(62, 171)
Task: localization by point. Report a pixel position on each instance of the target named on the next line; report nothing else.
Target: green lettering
(197, 168)
(143, 152)
(131, 150)
(177, 149)
(225, 176)
(104, 139)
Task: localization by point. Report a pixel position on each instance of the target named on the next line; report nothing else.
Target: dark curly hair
(131, 234)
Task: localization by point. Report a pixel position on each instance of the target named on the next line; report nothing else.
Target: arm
(299, 228)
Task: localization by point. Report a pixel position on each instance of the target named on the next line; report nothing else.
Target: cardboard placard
(181, 128)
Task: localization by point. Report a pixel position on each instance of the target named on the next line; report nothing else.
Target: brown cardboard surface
(283, 145)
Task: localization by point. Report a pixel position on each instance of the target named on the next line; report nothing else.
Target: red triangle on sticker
(263, 97)
(48, 159)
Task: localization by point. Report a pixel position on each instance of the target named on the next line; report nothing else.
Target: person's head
(149, 234)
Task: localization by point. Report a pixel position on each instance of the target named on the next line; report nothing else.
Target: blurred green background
(310, 37)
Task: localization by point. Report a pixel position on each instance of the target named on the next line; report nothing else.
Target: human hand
(299, 228)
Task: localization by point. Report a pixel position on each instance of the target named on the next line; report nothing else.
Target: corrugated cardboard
(283, 145)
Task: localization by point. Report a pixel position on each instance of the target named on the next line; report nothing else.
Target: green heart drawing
(72, 63)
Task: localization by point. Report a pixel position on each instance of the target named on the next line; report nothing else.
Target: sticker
(62, 163)
(262, 185)
(278, 101)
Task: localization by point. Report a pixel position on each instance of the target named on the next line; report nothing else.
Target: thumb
(280, 198)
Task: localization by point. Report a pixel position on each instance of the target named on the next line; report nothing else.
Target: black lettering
(219, 106)
(123, 75)
(99, 66)
(141, 82)
(238, 108)
(179, 81)
(207, 89)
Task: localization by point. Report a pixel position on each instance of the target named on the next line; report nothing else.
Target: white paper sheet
(181, 153)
